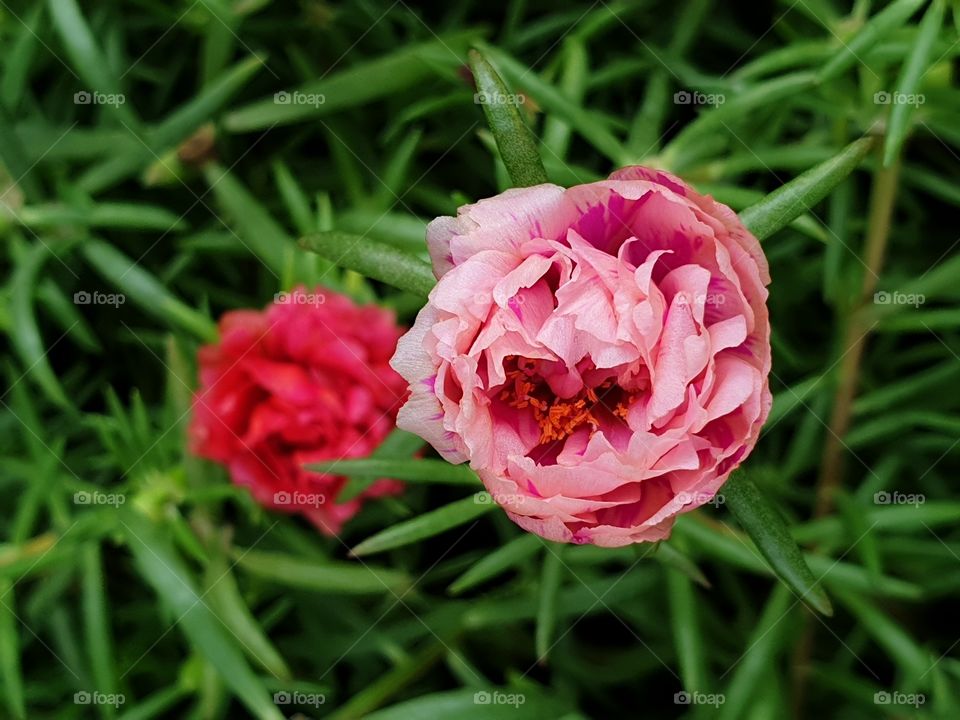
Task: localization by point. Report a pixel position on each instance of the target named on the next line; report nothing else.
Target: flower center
(558, 417)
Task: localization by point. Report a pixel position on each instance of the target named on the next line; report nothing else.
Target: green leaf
(96, 621)
(396, 169)
(427, 525)
(476, 705)
(374, 260)
(14, 153)
(909, 81)
(398, 445)
(186, 119)
(62, 308)
(363, 83)
(328, 577)
(493, 564)
(400, 677)
(23, 50)
(146, 290)
(670, 557)
(152, 145)
(767, 94)
(24, 333)
(739, 198)
(873, 31)
(867, 547)
(165, 571)
(913, 660)
(10, 668)
(86, 57)
(402, 230)
(294, 198)
(895, 518)
(687, 635)
(550, 577)
(785, 203)
(255, 228)
(768, 530)
(587, 124)
(556, 132)
(802, 53)
(646, 129)
(720, 543)
(418, 471)
(237, 618)
(135, 216)
(518, 148)
(157, 704)
(793, 398)
(845, 576)
(760, 654)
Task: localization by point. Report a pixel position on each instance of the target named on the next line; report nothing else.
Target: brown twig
(882, 199)
(883, 195)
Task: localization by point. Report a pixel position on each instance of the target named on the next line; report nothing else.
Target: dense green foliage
(159, 163)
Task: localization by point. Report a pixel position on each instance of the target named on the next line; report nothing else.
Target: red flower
(303, 381)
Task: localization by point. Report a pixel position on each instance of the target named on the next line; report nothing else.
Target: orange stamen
(557, 418)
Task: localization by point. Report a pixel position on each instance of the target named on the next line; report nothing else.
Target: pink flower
(303, 381)
(599, 354)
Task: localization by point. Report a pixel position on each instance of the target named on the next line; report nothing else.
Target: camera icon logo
(82, 98)
(483, 498)
(481, 697)
(682, 698)
(281, 698)
(281, 98)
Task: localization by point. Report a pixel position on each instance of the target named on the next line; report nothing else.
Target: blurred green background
(159, 161)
